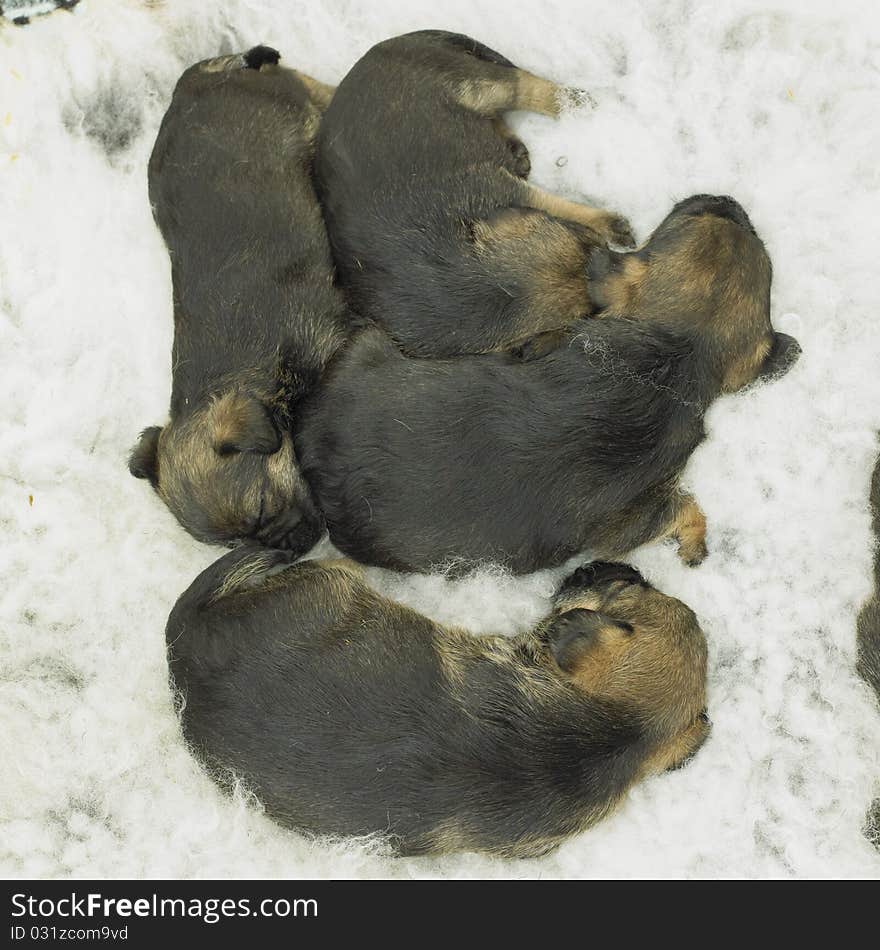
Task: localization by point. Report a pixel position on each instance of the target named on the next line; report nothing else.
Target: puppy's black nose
(601, 573)
(722, 206)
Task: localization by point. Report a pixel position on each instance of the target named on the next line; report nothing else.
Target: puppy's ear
(783, 355)
(241, 423)
(575, 634)
(143, 462)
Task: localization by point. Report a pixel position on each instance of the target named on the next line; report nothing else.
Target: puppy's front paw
(693, 553)
(616, 230)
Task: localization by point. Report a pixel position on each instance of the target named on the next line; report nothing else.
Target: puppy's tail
(261, 56)
(252, 59)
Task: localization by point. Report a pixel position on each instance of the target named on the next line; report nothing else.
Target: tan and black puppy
(348, 714)
(256, 315)
(417, 464)
(869, 640)
(435, 231)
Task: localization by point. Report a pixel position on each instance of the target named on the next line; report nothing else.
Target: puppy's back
(230, 181)
(418, 463)
(232, 163)
(409, 85)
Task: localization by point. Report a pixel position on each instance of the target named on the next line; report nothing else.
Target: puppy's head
(225, 471)
(616, 637)
(704, 270)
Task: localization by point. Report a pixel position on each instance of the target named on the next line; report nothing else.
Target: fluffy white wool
(776, 108)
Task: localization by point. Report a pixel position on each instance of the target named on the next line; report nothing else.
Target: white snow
(776, 108)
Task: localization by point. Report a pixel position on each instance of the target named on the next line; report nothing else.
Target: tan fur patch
(245, 575)
(676, 751)
(518, 90)
(449, 837)
(620, 292)
(345, 564)
(320, 93)
(745, 370)
(228, 416)
(486, 96)
(342, 580)
(519, 242)
(534, 94)
(446, 838)
(688, 526)
(453, 651)
(223, 64)
(594, 218)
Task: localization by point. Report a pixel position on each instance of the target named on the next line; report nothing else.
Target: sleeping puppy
(420, 464)
(869, 641)
(435, 232)
(349, 714)
(256, 315)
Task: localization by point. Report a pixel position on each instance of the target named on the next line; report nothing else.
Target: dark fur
(420, 463)
(256, 316)
(432, 227)
(349, 714)
(869, 640)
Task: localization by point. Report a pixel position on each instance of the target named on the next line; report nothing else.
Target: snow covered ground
(777, 108)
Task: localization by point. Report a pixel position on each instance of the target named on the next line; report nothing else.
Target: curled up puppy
(418, 464)
(256, 315)
(349, 714)
(436, 233)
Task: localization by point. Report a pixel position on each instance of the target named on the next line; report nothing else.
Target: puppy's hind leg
(254, 58)
(489, 83)
(660, 512)
(502, 89)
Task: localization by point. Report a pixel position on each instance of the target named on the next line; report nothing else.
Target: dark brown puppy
(256, 316)
(419, 463)
(435, 232)
(869, 641)
(349, 714)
